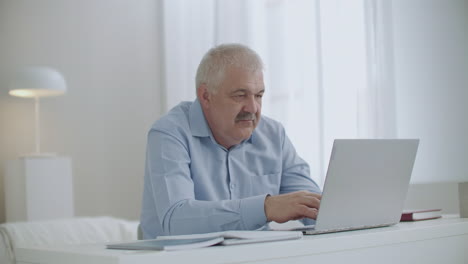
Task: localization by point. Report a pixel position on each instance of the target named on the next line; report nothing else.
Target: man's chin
(245, 133)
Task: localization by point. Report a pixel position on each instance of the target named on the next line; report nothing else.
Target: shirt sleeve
(296, 172)
(172, 193)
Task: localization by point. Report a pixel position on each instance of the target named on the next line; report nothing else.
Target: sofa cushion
(52, 233)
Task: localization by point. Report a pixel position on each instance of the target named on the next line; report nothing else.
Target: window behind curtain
(320, 59)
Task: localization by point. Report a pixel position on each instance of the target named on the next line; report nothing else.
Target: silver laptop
(366, 185)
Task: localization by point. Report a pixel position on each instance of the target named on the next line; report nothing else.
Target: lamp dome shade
(37, 82)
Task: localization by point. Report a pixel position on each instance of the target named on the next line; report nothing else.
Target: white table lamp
(38, 186)
(36, 82)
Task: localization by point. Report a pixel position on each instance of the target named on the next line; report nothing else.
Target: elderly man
(216, 164)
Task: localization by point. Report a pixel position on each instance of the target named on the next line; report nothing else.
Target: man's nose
(251, 105)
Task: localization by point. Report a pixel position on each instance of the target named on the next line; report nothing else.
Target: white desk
(435, 241)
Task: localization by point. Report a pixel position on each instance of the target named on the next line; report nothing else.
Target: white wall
(431, 76)
(108, 52)
(433, 195)
(431, 70)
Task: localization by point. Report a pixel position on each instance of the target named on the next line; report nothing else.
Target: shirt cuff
(253, 212)
(308, 221)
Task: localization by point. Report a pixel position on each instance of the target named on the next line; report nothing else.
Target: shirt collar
(199, 126)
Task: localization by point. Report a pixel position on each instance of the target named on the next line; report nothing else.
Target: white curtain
(327, 75)
(377, 112)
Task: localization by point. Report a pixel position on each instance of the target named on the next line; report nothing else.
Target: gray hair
(218, 59)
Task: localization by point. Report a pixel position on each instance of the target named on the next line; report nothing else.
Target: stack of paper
(226, 238)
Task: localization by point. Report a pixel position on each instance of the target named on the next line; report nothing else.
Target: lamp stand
(37, 128)
(37, 133)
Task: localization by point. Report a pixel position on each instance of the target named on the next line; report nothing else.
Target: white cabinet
(38, 188)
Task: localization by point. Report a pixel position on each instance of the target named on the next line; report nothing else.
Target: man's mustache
(246, 116)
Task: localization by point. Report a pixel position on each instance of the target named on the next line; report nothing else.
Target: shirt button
(233, 185)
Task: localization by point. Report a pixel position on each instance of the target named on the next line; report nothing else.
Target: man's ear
(204, 95)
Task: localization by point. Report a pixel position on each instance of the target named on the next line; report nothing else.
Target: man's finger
(316, 195)
(308, 194)
(310, 201)
(307, 212)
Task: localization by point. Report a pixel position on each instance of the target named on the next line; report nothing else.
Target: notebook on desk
(366, 184)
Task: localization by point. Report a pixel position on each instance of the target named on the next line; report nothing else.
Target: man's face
(233, 111)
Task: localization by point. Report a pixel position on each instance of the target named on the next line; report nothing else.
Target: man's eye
(259, 95)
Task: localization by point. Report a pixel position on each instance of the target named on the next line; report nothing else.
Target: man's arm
(170, 189)
(299, 195)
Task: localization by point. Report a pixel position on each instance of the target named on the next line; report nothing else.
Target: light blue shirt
(194, 185)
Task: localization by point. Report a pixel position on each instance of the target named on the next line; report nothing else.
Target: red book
(416, 215)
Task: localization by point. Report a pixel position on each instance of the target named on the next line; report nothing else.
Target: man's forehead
(236, 71)
(237, 79)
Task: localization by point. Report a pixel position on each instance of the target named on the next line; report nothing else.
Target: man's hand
(292, 206)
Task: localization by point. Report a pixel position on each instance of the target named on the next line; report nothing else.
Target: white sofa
(51, 233)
